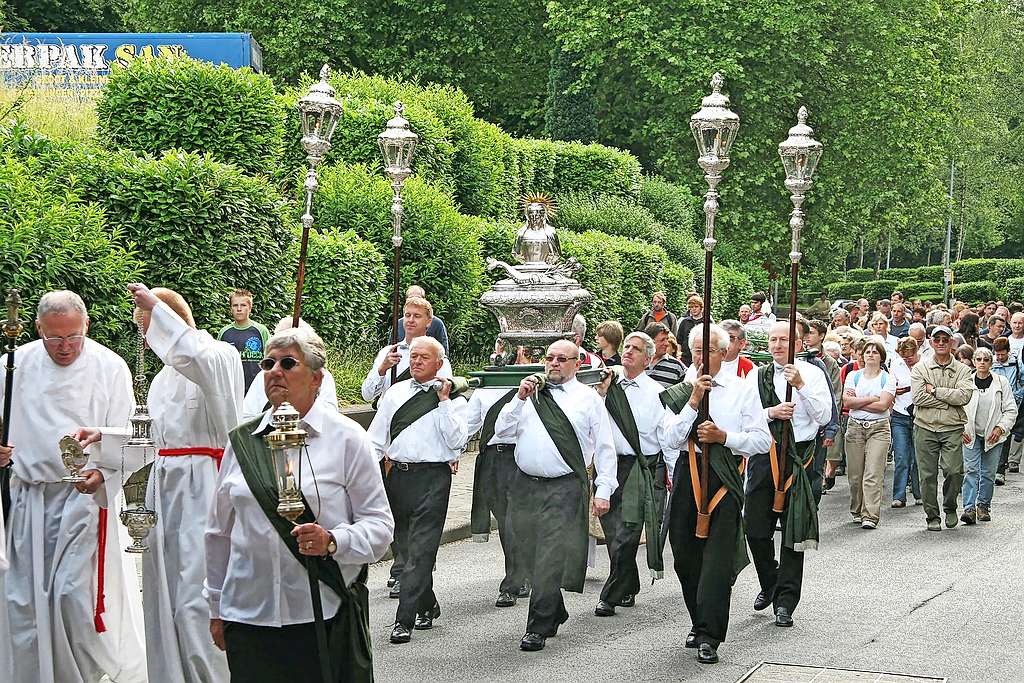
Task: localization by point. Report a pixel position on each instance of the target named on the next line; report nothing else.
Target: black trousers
(543, 510)
(267, 654)
(703, 565)
(622, 543)
(497, 465)
(786, 576)
(419, 503)
(396, 551)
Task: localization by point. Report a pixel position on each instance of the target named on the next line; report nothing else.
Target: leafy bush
(640, 272)
(672, 205)
(932, 296)
(677, 283)
(682, 248)
(845, 290)
(440, 247)
(488, 182)
(599, 273)
(974, 270)
(560, 167)
(901, 274)
(179, 103)
(914, 290)
(730, 289)
(928, 274)
(1015, 289)
(51, 239)
(879, 289)
(609, 214)
(976, 292)
(1007, 269)
(860, 274)
(345, 289)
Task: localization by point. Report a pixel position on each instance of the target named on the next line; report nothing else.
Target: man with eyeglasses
(942, 387)
(421, 425)
(560, 427)
(195, 401)
(66, 593)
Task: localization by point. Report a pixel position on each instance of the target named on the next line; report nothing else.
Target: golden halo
(550, 205)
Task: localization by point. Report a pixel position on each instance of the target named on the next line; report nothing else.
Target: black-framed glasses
(287, 363)
(70, 340)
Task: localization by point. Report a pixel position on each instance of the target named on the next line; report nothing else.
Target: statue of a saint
(536, 242)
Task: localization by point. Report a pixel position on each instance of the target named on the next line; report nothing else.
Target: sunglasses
(287, 363)
(558, 359)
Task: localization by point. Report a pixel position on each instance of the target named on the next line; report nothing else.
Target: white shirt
(812, 403)
(255, 401)
(648, 412)
(479, 403)
(536, 453)
(901, 372)
(376, 384)
(884, 383)
(727, 365)
(1016, 345)
(252, 577)
(735, 408)
(438, 436)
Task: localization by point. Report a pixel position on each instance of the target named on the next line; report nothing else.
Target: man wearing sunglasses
(422, 427)
(66, 594)
(194, 402)
(559, 428)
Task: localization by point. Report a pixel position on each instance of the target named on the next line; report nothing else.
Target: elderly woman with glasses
(991, 413)
(267, 608)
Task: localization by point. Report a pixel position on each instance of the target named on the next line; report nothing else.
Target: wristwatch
(332, 546)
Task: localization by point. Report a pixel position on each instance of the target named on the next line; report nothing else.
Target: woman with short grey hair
(309, 343)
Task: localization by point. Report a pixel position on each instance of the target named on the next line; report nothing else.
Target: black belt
(562, 476)
(652, 460)
(501, 447)
(406, 466)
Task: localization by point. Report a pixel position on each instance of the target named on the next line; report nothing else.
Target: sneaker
(983, 514)
(951, 519)
(899, 504)
(868, 524)
(1000, 479)
(1013, 469)
(934, 525)
(969, 517)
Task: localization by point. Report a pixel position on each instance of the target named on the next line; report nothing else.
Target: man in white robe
(194, 401)
(67, 616)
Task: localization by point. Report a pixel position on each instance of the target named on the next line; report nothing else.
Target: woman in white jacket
(990, 415)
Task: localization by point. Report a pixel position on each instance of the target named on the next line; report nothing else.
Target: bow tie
(424, 386)
(779, 369)
(554, 387)
(628, 383)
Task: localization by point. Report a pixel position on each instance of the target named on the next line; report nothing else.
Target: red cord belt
(215, 453)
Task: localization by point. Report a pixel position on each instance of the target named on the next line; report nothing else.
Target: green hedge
(845, 290)
(933, 296)
(51, 239)
(879, 289)
(1015, 289)
(609, 214)
(914, 290)
(672, 205)
(640, 271)
(976, 292)
(682, 248)
(860, 274)
(677, 283)
(345, 289)
(559, 167)
(156, 105)
(974, 270)
(730, 289)
(929, 274)
(901, 274)
(599, 273)
(440, 245)
(1007, 269)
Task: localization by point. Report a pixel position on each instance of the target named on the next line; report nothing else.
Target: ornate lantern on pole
(287, 442)
(397, 145)
(319, 113)
(714, 127)
(800, 154)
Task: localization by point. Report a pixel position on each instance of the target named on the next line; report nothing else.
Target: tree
(569, 109)
(62, 16)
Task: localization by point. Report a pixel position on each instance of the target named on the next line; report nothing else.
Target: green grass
(58, 114)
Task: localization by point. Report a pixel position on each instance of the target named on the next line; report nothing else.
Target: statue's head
(539, 208)
(536, 213)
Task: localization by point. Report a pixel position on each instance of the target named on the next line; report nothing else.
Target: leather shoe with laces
(505, 599)
(532, 642)
(391, 581)
(524, 591)
(691, 640)
(782, 617)
(707, 654)
(763, 600)
(604, 609)
(627, 601)
(425, 621)
(396, 589)
(400, 634)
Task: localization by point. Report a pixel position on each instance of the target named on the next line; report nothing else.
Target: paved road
(897, 599)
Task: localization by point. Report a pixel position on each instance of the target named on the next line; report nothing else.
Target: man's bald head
(560, 371)
(176, 302)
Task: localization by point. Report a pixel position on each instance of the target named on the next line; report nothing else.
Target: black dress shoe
(425, 621)
(763, 600)
(400, 634)
(782, 617)
(707, 654)
(524, 590)
(627, 601)
(396, 589)
(604, 609)
(532, 642)
(691, 640)
(391, 581)
(505, 599)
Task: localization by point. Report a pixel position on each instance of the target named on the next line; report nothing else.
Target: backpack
(884, 376)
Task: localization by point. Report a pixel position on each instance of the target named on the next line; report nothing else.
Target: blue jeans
(905, 464)
(979, 473)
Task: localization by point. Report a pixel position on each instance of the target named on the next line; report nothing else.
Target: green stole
(725, 465)
(401, 377)
(349, 654)
(801, 523)
(638, 501)
(419, 404)
(559, 428)
(480, 515)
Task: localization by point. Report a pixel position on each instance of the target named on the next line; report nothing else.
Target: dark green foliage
(51, 239)
(559, 167)
(860, 275)
(677, 284)
(440, 245)
(914, 290)
(496, 240)
(673, 206)
(345, 289)
(1007, 269)
(974, 270)
(640, 273)
(1014, 288)
(180, 103)
(607, 213)
(901, 274)
(730, 289)
(845, 290)
(928, 273)
(934, 296)
(488, 181)
(62, 16)
(569, 111)
(599, 273)
(976, 292)
(682, 248)
(879, 289)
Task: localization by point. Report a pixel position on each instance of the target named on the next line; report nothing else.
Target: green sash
(801, 526)
(725, 465)
(480, 515)
(349, 650)
(415, 407)
(401, 377)
(638, 501)
(558, 427)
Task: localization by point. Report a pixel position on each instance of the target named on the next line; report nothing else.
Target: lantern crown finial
(801, 116)
(325, 71)
(717, 82)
